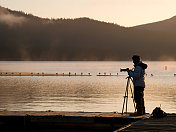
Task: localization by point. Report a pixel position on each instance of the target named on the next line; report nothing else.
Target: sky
(122, 12)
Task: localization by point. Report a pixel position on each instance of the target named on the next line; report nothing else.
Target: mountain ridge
(167, 25)
(27, 37)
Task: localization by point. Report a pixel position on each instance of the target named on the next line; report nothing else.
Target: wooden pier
(42, 121)
(165, 124)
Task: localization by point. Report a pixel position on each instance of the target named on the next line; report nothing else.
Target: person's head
(136, 59)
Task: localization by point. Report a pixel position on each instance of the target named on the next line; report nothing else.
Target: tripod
(125, 102)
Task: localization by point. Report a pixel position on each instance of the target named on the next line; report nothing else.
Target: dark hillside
(27, 37)
(168, 25)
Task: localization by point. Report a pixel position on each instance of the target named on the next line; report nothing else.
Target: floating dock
(42, 121)
(41, 74)
(51, 74)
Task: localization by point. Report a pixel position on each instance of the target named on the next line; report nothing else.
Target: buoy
(165, 67)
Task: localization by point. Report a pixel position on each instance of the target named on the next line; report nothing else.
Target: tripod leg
(132, 95)
(126, 96)
(127, 99)
(124, 101)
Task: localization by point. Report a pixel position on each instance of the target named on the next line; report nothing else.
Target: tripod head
(128, 77)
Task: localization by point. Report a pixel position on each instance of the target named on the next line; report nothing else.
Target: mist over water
(86, 93)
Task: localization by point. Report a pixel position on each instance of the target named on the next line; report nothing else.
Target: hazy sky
(122, 12)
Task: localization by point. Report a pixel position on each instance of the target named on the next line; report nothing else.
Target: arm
(136, 73)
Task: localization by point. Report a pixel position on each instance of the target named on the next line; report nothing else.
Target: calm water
(62, 93)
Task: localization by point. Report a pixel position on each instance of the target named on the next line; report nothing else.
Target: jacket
(138, 74)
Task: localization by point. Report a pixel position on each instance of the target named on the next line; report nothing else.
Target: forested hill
(27, 37)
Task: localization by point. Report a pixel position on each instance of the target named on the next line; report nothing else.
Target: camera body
(124, 70)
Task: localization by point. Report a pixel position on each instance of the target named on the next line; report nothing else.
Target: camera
(125, 70)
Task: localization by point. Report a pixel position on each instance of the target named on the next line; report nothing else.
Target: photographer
(139, 83)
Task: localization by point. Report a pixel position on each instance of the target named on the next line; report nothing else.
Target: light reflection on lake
(63, 93)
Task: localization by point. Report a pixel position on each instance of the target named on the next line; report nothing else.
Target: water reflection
(82, 93)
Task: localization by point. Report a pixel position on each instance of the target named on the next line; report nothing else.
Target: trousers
(139, 99)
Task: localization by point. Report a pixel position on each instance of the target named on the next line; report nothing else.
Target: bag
(158, 113)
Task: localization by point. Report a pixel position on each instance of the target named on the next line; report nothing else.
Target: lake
(83, 93)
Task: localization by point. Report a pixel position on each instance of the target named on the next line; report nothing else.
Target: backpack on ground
(158, 113)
